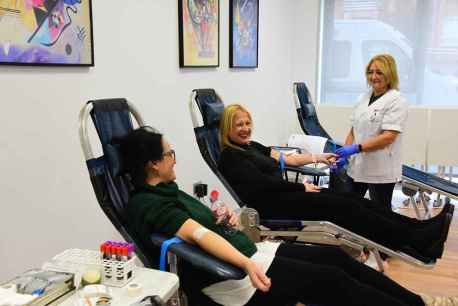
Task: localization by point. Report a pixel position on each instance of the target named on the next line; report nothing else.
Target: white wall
(335, 119)
(47, 200)
(305, 52)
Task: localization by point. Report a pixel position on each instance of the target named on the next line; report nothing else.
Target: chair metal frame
(411, 186)
(321, 232)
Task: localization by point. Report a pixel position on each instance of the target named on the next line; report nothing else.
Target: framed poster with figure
(198, 26)
(243, 33)
(46, 32)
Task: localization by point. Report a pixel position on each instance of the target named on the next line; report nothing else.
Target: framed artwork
(243, 33)
(198, 26)
(46, 32)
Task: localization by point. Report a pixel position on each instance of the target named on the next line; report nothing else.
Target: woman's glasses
(170, 153)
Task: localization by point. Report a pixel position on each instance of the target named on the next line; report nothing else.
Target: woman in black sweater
(253, 171)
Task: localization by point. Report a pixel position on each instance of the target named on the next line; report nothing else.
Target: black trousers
(381, 193)
(325, 275)
(362, 216)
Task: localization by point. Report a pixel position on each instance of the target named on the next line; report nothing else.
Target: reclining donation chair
(206, 109)
(112, 119)
(413, 180)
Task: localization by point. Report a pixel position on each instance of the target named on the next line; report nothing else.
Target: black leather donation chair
(206, 108)
(112, 118)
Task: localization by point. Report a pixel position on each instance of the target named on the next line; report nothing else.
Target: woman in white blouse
(375, 138)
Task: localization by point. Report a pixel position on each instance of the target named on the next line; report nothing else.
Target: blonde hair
(387, 65)
(227, 122)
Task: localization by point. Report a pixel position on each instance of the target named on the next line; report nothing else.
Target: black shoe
(451, 209)
(447, 209)
(417, 255)
(437, 249)
(437, 219)
(446, 227)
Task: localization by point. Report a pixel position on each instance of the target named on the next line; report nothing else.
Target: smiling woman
(377, 127)
(377, 80)
(162, 169)
(253, 171)
(237, 125)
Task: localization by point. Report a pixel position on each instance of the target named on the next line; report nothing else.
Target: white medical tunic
(389, 112)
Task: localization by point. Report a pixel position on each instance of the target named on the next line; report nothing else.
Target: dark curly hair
(138, 148)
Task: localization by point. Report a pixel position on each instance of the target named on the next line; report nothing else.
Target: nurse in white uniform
(373, 145)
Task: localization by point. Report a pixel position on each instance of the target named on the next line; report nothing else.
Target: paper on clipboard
(311, 144)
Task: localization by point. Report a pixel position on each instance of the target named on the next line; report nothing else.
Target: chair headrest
(309, 110)
(210, 105)
(303, 94)
(112, 120)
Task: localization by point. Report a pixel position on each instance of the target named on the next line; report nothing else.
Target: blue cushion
(303, 94)
(113, 159)
(309, 111)
(211, 107)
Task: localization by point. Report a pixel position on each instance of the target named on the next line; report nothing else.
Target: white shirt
(389, 112)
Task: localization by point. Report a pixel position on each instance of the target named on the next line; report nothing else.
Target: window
(422, 35)
(340, 69)
(370, 48)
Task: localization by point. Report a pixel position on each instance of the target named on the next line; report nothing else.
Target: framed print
(198, 26)
(46, 32)
(243, 33)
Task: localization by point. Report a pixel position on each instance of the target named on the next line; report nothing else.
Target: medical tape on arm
(200, 232)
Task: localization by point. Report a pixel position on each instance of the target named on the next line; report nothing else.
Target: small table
(153, 282)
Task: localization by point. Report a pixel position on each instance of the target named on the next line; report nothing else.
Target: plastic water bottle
(221, 212)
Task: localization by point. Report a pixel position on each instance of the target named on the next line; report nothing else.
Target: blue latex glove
(339, 164)
(347, 150)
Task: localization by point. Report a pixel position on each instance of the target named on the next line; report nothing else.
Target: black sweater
(251, 172)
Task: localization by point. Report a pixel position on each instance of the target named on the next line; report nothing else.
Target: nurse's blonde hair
(227, 122)
(387, 65)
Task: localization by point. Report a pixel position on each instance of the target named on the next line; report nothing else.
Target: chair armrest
(337, 143)
(286, 148)
(199, 258)
(304, 170)
(276, 224)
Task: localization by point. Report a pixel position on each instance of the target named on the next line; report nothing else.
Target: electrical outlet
(200, 189)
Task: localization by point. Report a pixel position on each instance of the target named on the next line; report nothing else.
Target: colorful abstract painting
(46, 32)
(243, 33)
(198, 23)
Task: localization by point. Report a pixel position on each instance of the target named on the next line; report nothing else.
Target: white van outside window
(427, 60)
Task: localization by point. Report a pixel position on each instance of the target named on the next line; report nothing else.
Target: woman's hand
(258, 278)
(311, 188)
(326, 158)
(339, 164)
(233, 218)
(348, 150)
